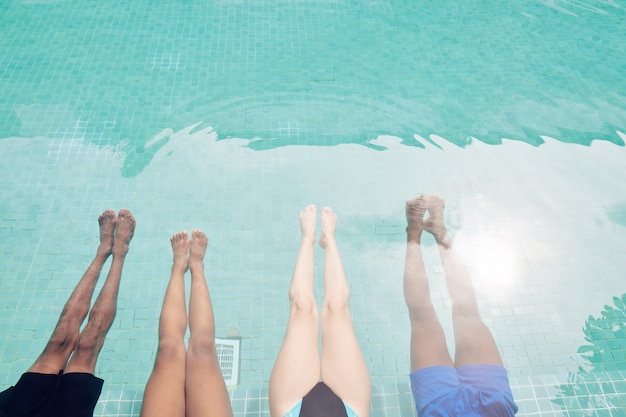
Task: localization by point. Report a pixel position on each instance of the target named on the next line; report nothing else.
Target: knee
(100, 321)
(202, 348)
(336, 304)
(170, 347)
(93, 335)
(87, 350)
(466, 312)
(63, 340)
(422, 312)
(170, 350)
(303, 303)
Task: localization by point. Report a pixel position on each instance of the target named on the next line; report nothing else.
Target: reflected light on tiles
(495, 268)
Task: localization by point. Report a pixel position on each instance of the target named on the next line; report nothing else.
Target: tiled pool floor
(233, 116)
(545, 253)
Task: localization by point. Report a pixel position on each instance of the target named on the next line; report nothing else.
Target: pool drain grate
(228, 357)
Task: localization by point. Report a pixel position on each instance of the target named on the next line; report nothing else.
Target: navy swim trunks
(49, 395)
(466, 391)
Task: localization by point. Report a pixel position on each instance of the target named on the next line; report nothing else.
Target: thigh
(58, 348)
(428, 343)
(297, 366)
(474, 343)
(205, 390)
(165, 391)
(343, 365)
(88, 348)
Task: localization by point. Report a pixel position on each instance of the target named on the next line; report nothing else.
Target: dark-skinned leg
(65, 335)
(103, 312)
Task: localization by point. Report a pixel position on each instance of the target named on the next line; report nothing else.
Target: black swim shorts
(48, 395)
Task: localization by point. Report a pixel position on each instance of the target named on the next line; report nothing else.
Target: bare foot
(180, 247)
(124, 231)
(434, 224)
(415, 209)
(107, 231)
(308, 216)
(197, 248)
(329, 224)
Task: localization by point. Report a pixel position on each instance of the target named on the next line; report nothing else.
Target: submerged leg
(343, 366)
(165, 391)
(65, 335)
(428, 341)
(297, 367)
(474, 343)
(205, 390)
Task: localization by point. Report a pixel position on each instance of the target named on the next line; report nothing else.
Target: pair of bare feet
(189, 252)
(308, 218)
(434, 224)
(116, 232)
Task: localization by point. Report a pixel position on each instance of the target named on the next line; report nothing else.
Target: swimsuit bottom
(321, 401)
(466, 391)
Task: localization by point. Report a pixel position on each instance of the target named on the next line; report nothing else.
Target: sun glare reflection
(494, 266)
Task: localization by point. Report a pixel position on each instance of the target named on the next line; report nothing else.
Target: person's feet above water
(415, 209)
(124, 232)
(180, 247)
(197, 247)
(107, 231)
(308, 217)
(435, 224)
(329, 224)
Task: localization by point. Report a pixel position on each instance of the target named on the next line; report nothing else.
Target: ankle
(196, 264)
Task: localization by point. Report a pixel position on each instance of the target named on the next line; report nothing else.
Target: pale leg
(474, 342)
(428, 341)
(297, 367)
(343, 366)
(205, 390)
(165, 391)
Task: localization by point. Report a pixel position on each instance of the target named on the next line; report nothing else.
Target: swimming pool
(232, 116)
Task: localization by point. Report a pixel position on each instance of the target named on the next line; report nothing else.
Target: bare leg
(103, 311)
(165, 391)
(343, 366)
(297, 367)
(474, 342)
(65, 335)
(428, 341)
(205, 390)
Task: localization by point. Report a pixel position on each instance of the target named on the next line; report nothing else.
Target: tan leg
(428, 341)
(297, 367)
(65, 335)
(205, 390)
(104, 308)
(474, 342)
(343, 366)
(165, 391)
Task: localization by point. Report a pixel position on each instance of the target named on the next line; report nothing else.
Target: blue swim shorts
(466, 391)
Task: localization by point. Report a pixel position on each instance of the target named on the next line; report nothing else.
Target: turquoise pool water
(232, 116)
